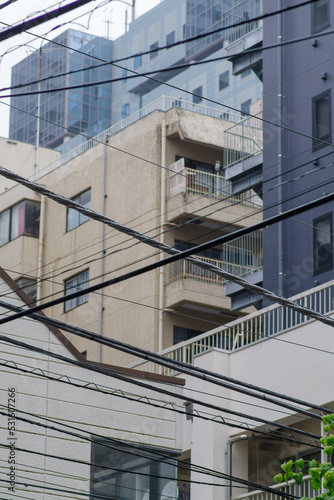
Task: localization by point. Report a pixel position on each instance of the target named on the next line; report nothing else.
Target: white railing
(248, 330)
(304, 490)
(246, 9)
(243, 140)
(241, 257)
(182, 179)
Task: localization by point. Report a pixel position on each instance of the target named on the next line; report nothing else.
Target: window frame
(125, 110)
(316, 268)
(318, 29)
(10, 236)
(154, 46)
(71, 304)
(169, 43)
(137, 61)
(315, 140)
(81, 218)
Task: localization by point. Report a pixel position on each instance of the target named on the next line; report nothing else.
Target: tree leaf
(300, 464)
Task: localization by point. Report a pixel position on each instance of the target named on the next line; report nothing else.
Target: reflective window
(320, 15)
(322, 244)
(137, 61)
(321, 119)
(29, 286)
(125, 111)
(170, 38)
(197, 97)
(75, 284)
(154, 46)
(245, 107)
(131, 472)
(21, 219)
(224, 80)
(75, 218)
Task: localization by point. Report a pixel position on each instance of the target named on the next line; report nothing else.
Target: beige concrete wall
(132, 197)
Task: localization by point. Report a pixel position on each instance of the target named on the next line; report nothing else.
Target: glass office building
(63, 114)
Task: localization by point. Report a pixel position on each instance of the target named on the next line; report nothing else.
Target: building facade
(159, 176)
(67, 113)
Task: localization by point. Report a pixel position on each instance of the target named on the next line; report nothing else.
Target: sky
(100, 17)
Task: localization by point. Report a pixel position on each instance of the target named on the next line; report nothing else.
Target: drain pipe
(280, 98)
(40, 250)
(243, 437)
(103, 197)
(162, 225)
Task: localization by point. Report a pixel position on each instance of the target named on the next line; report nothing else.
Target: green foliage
(321, 474)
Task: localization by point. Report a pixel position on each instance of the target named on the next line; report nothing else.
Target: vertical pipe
(280, 147)
(40, 250)
(103, 196)
(162, 225)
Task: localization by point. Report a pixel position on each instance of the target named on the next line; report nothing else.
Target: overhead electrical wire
(176, 255)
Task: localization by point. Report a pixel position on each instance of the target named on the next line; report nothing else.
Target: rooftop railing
(246, 9)
(243, 140)
(255, 327)
(186, 180)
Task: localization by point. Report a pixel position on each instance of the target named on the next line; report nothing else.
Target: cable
(176, 255)
(179, 366)
(6, 4)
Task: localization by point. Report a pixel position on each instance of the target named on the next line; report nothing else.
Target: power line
(176, 255)
(206, 375)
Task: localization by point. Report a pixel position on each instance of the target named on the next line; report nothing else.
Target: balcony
(248, 330)
(290, 488)
(186, 180)
(243, 155)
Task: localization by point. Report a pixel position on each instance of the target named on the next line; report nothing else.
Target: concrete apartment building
(158, 176)
(92, 109)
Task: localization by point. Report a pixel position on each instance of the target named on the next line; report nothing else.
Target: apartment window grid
(74, 218)
(323, 244)
(320, 15)
(75, 284)
(321, 120)
(18, 220)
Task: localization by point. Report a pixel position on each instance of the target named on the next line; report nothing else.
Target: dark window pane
(320, 15)
(4, 227)
(198, 97)
(224, 80)
(29, 286)
(245, 107)
(323, 244)
(137, 61)
(170, 38)
(75, 218)
(321, 120)
(78, 282)
(154, 46)
(181, 334)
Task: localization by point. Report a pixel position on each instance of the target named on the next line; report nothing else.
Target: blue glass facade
(66, 113)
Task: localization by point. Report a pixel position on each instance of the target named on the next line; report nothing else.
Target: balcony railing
(186, 180)
(250, 329)
(241, 257)
(243, 140)
(304, 490)
(246, 9)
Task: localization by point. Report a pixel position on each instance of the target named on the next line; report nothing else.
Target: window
(245, 107)
(224, 80)
(21, 219)
(74, 284)
(29, 286)
(75, 218)
(321, 119)
(121, 470)
(170, 39)
(137, 61)
(154, 46)
(198, 95)
(124, 75)
(322, 244)
(320, 15)
(125, 111)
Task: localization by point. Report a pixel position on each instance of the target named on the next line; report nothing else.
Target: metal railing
(247, 9)
(250, 329)
(184, 179)
(291, 488)
(241, 257)
(243, 140)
